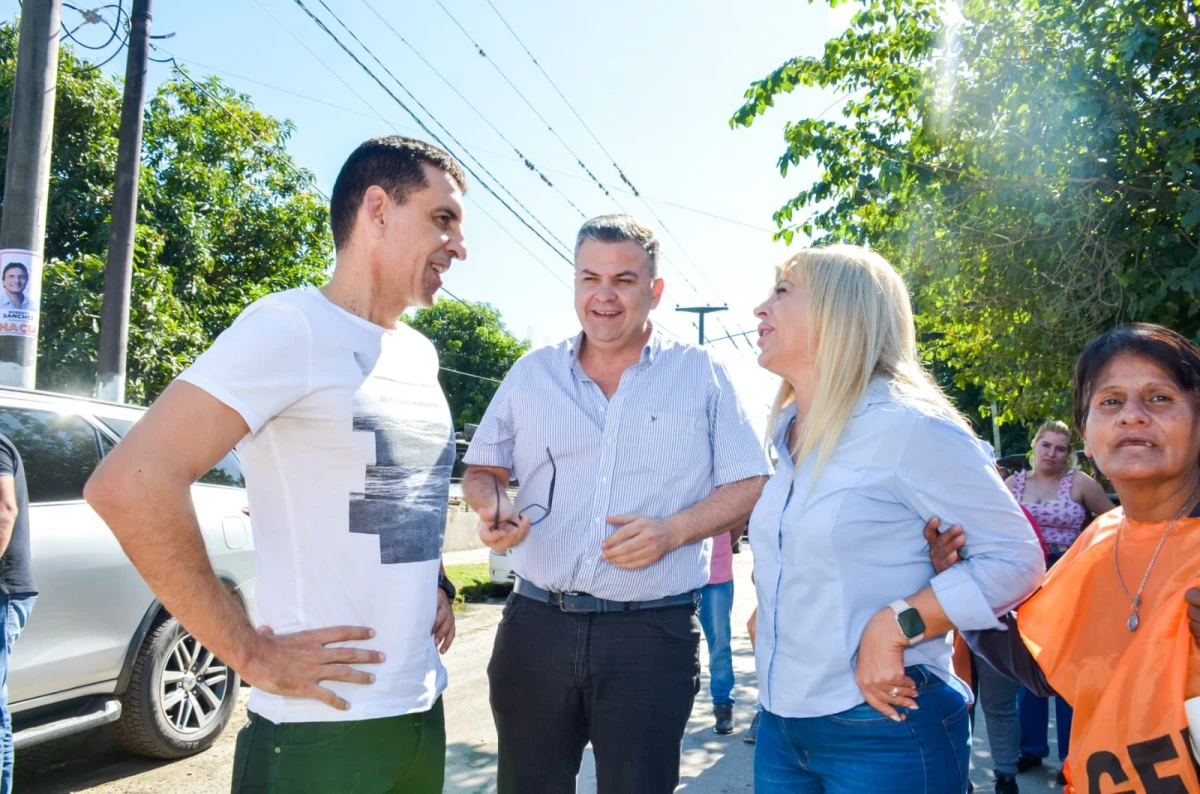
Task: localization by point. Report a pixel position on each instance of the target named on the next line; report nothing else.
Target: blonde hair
(1054, 426)
(860, 325)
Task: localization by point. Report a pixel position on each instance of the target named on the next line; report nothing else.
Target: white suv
(98, 647)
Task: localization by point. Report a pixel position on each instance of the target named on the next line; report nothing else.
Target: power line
(472, 147)
(739, 333)
(322, 61)
(422, 124)
(513, 237)
(93, 17)
(305, 175)
(542, 118)
(520, 155)
(377, 115)
(662, 224)
(564, 99)
(428, 113)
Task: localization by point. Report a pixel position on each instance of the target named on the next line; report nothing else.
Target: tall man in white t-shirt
(347, 444)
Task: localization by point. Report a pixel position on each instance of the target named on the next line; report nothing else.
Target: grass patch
(474, 584)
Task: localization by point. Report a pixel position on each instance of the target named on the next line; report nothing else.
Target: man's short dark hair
(11, 265)
(620, 229)
(394, 163)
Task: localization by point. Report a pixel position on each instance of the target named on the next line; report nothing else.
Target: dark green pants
(393, 754)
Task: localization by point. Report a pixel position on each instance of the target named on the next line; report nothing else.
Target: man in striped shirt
(632, 451)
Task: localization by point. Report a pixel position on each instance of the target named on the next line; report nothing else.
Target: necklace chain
(1133, 621)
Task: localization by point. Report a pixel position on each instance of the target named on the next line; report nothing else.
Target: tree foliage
(224, 217)
(1031, 165)
(469, 338)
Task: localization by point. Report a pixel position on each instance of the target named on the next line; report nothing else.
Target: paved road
(712, 764)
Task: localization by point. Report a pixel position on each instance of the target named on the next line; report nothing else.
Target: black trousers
(625, 682)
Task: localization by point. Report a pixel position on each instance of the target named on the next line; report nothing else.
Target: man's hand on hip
(443, 622)
(641, 541)
(295, 664)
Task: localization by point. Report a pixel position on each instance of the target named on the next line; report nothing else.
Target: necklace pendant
(1132, 623)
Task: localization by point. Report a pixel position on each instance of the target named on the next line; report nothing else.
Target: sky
(654, 82)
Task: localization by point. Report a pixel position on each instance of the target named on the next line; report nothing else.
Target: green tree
(1029, 164)
(224, 217)
(469, 338)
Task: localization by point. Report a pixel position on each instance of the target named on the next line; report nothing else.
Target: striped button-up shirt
(672, 432)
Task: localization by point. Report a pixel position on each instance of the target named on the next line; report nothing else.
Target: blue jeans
(1035, 729)
(860, 751)
(15, 614)
(716, 612)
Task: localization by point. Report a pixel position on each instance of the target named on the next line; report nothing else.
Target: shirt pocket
(661, 444)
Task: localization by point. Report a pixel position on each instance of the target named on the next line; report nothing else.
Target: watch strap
(447, 587)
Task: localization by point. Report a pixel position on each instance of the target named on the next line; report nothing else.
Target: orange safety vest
(1130, 732)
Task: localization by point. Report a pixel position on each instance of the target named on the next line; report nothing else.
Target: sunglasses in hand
(535, 513)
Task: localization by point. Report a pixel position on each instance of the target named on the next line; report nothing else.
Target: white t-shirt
(348, 471)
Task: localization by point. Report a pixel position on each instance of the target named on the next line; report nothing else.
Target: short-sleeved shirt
(674, 430)
(348, 474)
(16, 565)
(832, 548)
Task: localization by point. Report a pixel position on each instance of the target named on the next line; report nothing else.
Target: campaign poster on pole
(20, 292)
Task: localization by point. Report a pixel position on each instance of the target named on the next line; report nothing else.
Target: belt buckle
(576, 602)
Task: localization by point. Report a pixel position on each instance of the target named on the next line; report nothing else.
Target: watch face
(910, 623)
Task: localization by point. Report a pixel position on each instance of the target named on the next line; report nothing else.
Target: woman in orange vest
(1109, 630)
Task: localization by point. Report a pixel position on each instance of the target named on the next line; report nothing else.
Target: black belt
(582, 602)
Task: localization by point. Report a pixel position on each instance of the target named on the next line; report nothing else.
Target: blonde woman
(1060, 497)
(853, 652)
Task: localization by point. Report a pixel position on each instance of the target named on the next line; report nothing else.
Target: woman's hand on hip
(879, 669)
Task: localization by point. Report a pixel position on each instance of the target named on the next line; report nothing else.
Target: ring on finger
(894, 692)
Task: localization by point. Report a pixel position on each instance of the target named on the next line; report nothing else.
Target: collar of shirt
(879, 390)
(650, 352)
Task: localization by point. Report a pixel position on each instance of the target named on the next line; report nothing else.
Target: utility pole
(702, 311)
(996, 432)
(27, 190)
(118, 275)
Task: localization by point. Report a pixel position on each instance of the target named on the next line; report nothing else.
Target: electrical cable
(425, 127)
(520, 155)
(449, 134)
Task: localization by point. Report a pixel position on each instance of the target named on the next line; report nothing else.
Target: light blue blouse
(830, 553)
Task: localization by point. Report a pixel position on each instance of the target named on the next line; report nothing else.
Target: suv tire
(180, 696)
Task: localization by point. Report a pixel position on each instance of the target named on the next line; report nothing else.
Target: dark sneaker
(724, 714)
(1027, 762)
(751, 734)
(1006, 784)
(1061, 779)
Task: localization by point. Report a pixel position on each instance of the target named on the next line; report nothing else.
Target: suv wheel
(180, 696)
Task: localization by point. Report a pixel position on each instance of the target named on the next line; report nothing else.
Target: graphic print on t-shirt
(407, 484)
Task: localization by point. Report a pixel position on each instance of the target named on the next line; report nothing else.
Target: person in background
(854, 657)
(716, 614)
(1109, 629)
(1060, 497)
(17, 589)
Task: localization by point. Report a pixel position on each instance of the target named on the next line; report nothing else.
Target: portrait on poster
(21, 280)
